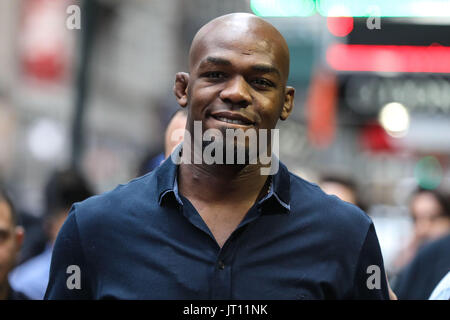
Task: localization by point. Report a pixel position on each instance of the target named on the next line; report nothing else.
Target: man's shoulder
(340, 229)
(133, 195)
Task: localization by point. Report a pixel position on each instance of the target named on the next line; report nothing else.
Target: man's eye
(214, 75)
(4, 235)
(263, 83)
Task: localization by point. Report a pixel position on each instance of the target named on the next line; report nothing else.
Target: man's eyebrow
(266, 69)
(216, 60)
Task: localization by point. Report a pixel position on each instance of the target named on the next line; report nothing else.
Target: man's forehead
(223, 52)
(242, 34)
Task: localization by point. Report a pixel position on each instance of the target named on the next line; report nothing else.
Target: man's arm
(370, 279)
(69, 275)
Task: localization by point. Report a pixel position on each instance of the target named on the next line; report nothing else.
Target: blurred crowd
(424, 260)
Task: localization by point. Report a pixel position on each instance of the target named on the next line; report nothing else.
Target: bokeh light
(394, 118)
(340, 26)
(428, 172)
(283, 8)
(46, 139)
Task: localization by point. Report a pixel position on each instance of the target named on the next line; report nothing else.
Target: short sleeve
(69, 274)
(370, 279)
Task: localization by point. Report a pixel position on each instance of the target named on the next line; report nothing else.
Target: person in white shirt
(442, 290)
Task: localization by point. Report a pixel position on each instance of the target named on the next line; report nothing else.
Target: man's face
(10, 241)
(339, 190)
(240, 79)
(429, 220)
(237, 79)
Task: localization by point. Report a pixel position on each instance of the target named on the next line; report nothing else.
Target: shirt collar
(166, 179)
(279, 192)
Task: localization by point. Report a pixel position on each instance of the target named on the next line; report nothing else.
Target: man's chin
(237, 154)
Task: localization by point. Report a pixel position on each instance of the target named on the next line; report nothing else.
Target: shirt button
(221, 265)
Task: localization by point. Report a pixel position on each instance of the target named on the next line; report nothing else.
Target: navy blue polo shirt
(144, 240)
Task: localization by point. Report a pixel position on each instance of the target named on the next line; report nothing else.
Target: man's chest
(221, 219)
(185, 263)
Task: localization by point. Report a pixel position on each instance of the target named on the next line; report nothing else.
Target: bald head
(238, 67)
(244, 32)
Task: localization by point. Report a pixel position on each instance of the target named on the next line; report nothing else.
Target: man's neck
(221, 183)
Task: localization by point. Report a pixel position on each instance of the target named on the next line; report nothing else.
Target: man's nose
(236, 92)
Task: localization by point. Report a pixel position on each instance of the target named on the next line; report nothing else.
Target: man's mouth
(232, 118)
(223, 119)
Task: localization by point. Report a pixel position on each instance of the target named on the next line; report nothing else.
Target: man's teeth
(231, 121)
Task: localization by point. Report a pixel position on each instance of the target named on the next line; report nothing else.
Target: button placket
(221, 265)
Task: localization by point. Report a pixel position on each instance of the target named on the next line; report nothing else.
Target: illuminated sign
(365, 95)
(389, 58)
(351, 8)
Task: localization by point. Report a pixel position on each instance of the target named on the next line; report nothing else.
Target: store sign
(366, 95)
(44, 39)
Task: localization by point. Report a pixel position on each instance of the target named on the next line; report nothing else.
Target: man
(430, 213)
(221, 231)
(172, 137)
(63, 188)
(177, 124)
(442, 290)
(425, 271)
(343, 188)
(11, 238)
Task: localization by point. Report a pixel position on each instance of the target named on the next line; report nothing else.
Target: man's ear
(19, 233)
(180, 88)
(288, 103)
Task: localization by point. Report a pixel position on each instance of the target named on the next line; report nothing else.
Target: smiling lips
(233, 118)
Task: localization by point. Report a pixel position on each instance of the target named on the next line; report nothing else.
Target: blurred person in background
(419, 279)
(442, 290)
(35, 241)
(11, 238)
(176, 122)
(63, 188)
(171, 139)
(430, 212)
(150, 162)
(342, 187)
